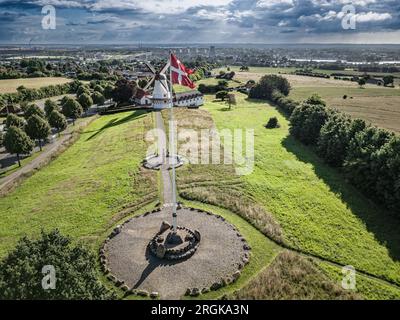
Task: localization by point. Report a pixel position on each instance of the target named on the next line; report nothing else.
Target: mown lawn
(87, 185)
(317, 210)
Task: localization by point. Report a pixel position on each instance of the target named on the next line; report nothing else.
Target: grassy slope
(292, 276)
(83, 188)
(263, 250)
(318, 211)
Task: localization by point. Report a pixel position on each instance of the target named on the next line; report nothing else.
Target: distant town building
(212, 52)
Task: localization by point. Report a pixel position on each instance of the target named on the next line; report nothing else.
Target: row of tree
(369, 156)
(28, 95)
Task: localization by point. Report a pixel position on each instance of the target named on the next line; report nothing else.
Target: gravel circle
(221, 254)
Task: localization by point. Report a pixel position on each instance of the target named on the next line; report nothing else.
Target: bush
(222, 95)
(286, 104)
(306, 122)
(21, 274)
(267, 85)
(272, 123)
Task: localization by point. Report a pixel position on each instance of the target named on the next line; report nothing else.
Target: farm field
(11, 85)
(82, 190)
(318, 212)
(377, 105)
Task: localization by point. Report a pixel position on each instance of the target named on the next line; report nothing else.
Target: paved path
(162, 150)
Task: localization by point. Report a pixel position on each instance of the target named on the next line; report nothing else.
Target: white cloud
(373, 17)
(156, 6)
(272, 3)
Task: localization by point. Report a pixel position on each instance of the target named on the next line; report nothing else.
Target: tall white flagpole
(172, 146)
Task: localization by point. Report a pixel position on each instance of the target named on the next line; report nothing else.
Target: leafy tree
(1, 139)
(306, 122)
(99, 88)
(388, 80)
(362, 82)
(17, 141)
(222, 95)
(124, 91)
(108, 92)
(49, 107)
(58, 121)
(333, 140)
(267, 85)
(37, 128)
(72, 109)
(13, 120)
(82, 89)
(359, 164)
(85, 100)
(21, 271)
(315, 100)
(33, 109)
(98, 98)
(387, 162)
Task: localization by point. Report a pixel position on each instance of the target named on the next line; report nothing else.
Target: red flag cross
(179, 73)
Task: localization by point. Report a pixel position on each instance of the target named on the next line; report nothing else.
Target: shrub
(306, 122)
(222, 95)
(21, 274)
(267, 85)
(272, 123)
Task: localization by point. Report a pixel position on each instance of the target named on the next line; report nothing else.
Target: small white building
(189, 99)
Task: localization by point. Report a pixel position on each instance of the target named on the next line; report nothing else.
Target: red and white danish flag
(180, 74)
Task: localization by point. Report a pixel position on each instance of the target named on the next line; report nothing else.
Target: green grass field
(83, 190)
(318, 211)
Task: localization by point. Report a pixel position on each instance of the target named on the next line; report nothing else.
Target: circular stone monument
(155, 162)
(205, 255)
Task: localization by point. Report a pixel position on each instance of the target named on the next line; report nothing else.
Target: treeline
(27, 95)
(369, 156)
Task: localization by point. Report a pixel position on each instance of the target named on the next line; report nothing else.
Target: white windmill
(161, 97)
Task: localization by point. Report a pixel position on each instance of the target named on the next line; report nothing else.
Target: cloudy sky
(200, 21)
